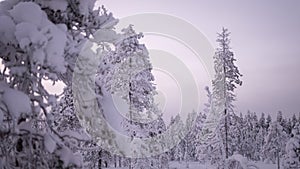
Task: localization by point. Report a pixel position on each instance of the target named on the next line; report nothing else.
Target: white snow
(197, 165)
(7, 30)
(55, 48)
(38, 56)
(57, 4)
(18, 70)
(85, 5)
(105, 35)
(27, 12)
(67, 156)
(17, 102)
(49, 143)
(24, 32)
(80, 135)
(34, 32)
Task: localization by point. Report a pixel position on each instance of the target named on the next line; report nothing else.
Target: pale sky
(265, 40)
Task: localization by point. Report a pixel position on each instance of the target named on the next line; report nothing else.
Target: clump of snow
(38, 56)
(17, 102)
(105, 35)
(56, 4)
(7, 30)
(27, 12)
(27, 25)
(24, 33)
(7, 5)
(55, 48)
(80, 135)
(85, 5)
(27, 126)
(67, 156)
(49, 143)
(18, 70)
(239, 161)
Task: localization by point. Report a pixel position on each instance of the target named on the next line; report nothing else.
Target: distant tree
(275, 143)
(294, 121)
(235, 134)
(268, 121)
(292, 157)
(262, 121)
(248, 143)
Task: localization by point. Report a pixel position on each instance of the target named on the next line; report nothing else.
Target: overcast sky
(265, 40)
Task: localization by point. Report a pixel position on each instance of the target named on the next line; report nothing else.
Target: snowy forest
(43, 40)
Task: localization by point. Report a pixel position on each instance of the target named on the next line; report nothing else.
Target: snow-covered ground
(197, 165)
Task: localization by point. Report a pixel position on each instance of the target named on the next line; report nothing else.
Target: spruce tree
(226, 79)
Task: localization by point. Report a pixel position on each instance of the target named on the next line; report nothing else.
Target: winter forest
(71, 42)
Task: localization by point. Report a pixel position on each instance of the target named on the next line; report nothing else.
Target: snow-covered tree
(268, 122)
(262, 121)
(294, 121)
(226, 79)
(234, 134)
(275, 143)
(41, 41)
(194, 138)
(176, 139)
(292, 157)
(248, 134)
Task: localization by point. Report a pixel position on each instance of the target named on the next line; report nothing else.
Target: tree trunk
(226, 134)
(130, 166)
(278, 159)
(100, 160)
(115, 161)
